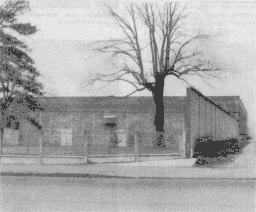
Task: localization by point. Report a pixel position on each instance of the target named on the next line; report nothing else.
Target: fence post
(41, 141)
(28, 142)
(85, 147)
(41, 147)
(1, 140)
(110, 137)
(136, 144)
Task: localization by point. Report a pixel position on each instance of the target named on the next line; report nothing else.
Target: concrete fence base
(54, 160)
(130, 158)
(111, 158)
(37, 160)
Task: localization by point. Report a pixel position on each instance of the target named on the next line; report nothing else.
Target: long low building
(111, 121)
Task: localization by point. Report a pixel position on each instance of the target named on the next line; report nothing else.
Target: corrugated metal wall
(204, 117)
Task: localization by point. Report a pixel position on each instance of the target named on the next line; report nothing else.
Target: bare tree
(19, 87)
(158, 35)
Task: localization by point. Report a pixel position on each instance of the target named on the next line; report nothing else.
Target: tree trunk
(159, 110)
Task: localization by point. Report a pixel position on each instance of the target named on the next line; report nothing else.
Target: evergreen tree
(19, 86)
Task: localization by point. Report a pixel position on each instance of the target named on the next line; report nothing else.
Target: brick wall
(11, 137)
(79, 128)
(28, 134)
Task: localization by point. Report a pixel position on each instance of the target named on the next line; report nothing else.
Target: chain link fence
(83, 133)
(115, 144)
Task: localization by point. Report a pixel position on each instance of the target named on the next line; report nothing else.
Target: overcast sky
(66, 26)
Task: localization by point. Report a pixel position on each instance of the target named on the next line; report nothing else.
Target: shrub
(208, 150)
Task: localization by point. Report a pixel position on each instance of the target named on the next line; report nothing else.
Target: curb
(87, 175)
(20, 174)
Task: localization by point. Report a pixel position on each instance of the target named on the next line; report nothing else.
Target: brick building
(75, 121)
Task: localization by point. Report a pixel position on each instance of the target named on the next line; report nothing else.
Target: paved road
(98, 194)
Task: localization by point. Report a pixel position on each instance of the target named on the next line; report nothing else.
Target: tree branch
(172, 50)
(137, 90)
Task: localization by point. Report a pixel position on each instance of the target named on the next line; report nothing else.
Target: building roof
(130, 104)
(110, 103)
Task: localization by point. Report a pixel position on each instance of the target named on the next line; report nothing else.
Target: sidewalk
(244, 167)
(128, 170)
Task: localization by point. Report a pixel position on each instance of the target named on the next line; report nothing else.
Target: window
(66, 137)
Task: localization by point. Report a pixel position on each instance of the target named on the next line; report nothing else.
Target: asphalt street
(112, 194)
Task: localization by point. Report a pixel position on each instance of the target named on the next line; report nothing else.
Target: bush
(207, 150)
